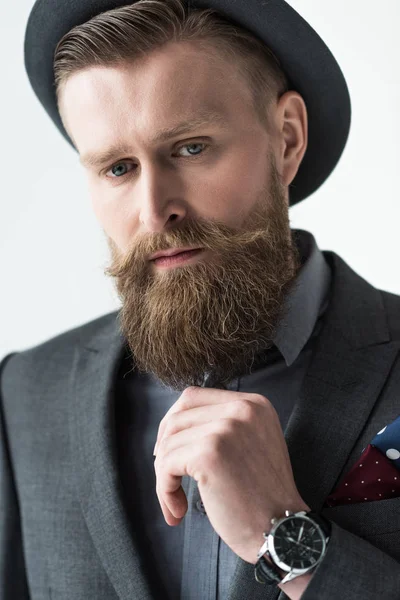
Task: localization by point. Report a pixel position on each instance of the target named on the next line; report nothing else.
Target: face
(217, 187)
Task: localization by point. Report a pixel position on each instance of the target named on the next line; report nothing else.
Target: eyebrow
(96, 159)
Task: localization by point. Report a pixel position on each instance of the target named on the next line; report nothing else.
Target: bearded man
(265, 371)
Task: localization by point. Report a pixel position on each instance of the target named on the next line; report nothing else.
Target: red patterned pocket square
(376, 475)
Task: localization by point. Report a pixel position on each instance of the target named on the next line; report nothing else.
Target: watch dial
(298, 543)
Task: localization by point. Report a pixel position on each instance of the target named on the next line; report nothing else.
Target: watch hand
(300, 544)
(301, 533)
(308, 547)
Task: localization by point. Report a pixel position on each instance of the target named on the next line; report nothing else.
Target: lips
(173, 252)
(177, 259)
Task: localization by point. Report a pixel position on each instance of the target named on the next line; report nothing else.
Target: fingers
(191, 418)
(174, 504)
(179, 455)
(194, 397)
(168, 516)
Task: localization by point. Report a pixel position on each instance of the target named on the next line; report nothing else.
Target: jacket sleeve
(13, 579)
(354, 569)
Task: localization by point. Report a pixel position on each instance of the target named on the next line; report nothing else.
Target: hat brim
(308, 63)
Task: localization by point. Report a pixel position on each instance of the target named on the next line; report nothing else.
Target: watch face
(297, 543)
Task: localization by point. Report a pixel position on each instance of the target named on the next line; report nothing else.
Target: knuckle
(171, 425)
(185, 400)
(161, 444)
(243, 409)
(263, 400)
(227, 427)
(189, 391)
(162, 450)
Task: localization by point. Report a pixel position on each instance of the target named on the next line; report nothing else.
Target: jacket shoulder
(58, 349)
(375, 311)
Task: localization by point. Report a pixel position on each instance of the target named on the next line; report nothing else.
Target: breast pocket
(377, 522)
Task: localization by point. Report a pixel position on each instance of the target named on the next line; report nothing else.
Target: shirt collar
(307, 298)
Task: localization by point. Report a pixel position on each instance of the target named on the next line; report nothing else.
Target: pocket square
(376, 475)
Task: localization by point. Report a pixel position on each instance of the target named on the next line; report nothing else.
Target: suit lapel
(350, 365)
(93, 448)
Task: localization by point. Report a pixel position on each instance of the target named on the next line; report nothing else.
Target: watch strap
(321, 521)
(267, 572)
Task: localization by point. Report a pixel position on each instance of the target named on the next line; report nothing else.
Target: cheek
(105, 211)
(231, 194)
(114, 217)
(99, 208)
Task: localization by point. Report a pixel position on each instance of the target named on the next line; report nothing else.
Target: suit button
(200, 506)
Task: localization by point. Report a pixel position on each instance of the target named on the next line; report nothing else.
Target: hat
(308, 63)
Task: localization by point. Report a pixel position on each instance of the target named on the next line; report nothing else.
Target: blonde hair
(124, 34)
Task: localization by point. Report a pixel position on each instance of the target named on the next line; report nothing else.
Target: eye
(119, 169)
(191, 146)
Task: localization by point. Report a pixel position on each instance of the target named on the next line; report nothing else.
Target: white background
(52, 250)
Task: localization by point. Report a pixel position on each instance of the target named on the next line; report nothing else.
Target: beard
(213, 316)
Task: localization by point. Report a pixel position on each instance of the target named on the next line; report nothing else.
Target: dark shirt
(190, 561)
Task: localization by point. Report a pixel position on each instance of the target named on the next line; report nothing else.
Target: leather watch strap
(322, 522)
(267, 572)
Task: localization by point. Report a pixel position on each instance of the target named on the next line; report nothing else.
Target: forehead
(158, 92)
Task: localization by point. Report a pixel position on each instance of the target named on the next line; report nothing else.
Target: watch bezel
(274, 556)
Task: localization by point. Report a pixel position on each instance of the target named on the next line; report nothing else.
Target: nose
(158, 221)
(159, 205)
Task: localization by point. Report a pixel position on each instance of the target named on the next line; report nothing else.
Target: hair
(122, 35)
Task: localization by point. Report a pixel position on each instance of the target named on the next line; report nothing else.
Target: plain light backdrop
(52, 249)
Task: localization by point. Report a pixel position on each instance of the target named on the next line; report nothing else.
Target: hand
(232, 444)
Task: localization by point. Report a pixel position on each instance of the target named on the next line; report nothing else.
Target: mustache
(210, 235)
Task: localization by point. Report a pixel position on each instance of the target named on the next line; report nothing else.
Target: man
(261, 367)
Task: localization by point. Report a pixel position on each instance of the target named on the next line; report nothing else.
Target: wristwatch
(296, 544)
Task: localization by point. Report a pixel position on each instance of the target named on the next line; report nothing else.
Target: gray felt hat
(308, 63)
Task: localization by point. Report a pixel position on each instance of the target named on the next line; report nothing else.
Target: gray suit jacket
(64, 534)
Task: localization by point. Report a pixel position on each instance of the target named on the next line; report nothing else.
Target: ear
(292, 121)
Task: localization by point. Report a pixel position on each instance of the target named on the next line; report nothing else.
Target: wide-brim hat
(308, 63)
